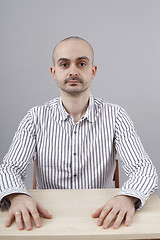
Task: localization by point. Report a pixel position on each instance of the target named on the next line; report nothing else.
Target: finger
(119, 219)
(43, 212)
(109, 218)
(18, 219)
(9, 220)
(97, 213)
(27, 220)
(103, 215)
(128, 220)
(36, 218)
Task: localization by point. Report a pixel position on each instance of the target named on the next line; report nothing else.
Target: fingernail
(105, 226)
(28, 228)
(20, 227)
(99, 223)
(115, 226)
(38, 225)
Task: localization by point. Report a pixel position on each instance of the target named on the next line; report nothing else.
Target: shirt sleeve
(15, 162)
(142, 177)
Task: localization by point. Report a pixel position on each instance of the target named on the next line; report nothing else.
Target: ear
(94, 70)
(52, 69)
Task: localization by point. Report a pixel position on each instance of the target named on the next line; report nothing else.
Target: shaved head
(74, 38)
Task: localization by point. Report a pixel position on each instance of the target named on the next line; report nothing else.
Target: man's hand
(115, 211)
(22, 208)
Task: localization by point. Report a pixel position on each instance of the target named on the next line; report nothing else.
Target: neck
(75, 105)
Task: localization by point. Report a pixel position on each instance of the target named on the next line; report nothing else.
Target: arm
(20, 154)
(15, 162)
(12, 174)
(142, 177)
(140, 170)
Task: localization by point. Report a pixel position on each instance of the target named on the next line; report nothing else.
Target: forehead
(72, 49)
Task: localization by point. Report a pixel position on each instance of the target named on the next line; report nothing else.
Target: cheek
(89, 74)
(58, 75)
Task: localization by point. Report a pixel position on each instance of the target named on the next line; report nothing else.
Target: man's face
(73, 70)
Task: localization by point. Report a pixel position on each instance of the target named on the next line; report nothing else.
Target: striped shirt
(78, 155)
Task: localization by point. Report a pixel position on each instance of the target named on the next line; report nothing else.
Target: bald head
(70, 39)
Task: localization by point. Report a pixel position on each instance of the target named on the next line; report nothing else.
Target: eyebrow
(62, 59)
(79, 58)
(83, 58)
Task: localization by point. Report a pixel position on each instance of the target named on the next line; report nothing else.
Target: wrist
(134, 199)
(12, 196)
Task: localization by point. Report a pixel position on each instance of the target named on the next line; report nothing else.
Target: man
(76, 137)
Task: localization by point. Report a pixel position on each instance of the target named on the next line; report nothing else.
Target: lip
(73, 81)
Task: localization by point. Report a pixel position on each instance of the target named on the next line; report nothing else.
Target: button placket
(75, 149)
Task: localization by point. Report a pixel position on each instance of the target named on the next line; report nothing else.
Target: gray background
(125, 36)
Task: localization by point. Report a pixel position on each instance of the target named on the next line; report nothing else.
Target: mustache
(73, 78)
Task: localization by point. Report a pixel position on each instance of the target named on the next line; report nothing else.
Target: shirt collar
(63, 113)
(89, 114)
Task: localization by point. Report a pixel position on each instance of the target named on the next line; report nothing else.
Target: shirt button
(75, 175)
(74, 153)
(75, 132)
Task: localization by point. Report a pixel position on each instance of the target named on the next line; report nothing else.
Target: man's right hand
(22, 209)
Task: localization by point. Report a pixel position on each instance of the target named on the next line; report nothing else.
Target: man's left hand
(115, 211)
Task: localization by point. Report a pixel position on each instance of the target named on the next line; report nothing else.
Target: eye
(63, 65)
(82, 64)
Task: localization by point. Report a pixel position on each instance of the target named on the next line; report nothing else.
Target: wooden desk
(72, 219)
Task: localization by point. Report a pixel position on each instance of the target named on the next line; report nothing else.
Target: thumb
(97, 213)
(43, 211)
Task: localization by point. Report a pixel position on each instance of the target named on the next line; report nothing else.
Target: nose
(73, 74)
(73, 71)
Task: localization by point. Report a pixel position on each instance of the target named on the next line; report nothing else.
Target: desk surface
(72, 219)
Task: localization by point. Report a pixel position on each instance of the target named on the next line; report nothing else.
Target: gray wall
(125, 35)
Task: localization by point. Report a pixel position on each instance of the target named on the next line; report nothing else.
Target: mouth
(73, 81)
